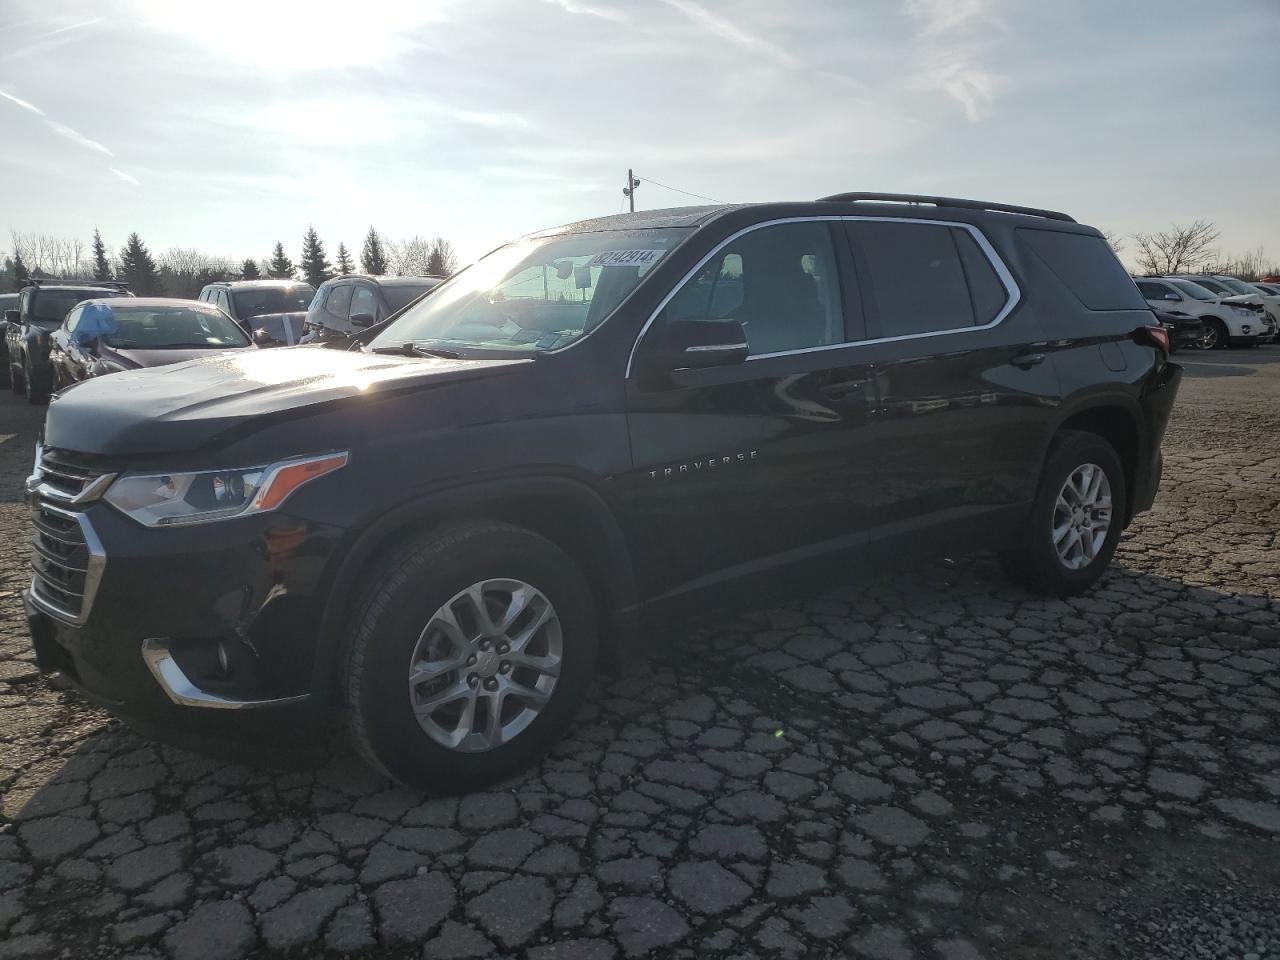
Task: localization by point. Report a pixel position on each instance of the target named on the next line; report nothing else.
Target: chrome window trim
(1012, 291)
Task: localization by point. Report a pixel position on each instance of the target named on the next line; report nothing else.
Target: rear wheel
(1074, 525)
(30, 387)
(471, 649)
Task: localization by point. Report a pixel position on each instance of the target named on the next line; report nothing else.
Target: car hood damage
(184, 406)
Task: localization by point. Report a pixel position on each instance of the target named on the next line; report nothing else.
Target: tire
(33, 393)
(397, 612)
(15, 378)
(1036, 563)
(6, 371)
(1215, 334)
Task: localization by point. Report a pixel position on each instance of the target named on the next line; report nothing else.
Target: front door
(743, 466)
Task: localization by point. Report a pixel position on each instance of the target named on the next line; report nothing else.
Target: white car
(1236, 291)
(1224, 323)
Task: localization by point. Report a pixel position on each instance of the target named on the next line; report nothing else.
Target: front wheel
(32, 389)
(1074, 524)
(471, 648)
(1215, 335)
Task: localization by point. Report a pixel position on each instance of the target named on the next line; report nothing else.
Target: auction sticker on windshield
(626, 258)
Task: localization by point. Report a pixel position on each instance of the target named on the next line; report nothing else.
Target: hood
(184, 406)
(159, 358)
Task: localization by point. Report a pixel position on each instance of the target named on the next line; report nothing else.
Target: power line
(664, 186)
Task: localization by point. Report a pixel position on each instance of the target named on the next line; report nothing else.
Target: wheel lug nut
(503, 648)
(484, 644)
(504, 667)
(471, 660)
(491, 684)
(472, 679)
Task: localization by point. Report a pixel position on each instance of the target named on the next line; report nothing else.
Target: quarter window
(780, 282)
(918, 277)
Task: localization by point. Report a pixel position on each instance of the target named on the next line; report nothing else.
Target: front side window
(1194, 290)
(778, 281)
(339, 302)
(538, 294)
(363, 301)
(917, 277)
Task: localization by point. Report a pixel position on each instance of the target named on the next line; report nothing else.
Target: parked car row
(1223, 310)
(58, 332)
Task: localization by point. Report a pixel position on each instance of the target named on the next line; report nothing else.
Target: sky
(226, 127)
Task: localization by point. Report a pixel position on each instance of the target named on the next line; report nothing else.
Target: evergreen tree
(138, 269)
(20, 274)
(101, 266)
(373, 258)
(344, 260)
(249, 271)
(315, 268)
(281, 267)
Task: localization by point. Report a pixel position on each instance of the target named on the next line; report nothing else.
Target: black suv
(272, 311)
(42, 306)
(347, 305)
(436, 534)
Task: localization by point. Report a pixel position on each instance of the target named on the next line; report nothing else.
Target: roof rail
(950, 202)
(73, 282)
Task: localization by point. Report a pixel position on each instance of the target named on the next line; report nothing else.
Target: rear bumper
(1157, 406)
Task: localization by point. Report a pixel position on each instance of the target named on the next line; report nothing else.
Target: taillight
(1152, 337)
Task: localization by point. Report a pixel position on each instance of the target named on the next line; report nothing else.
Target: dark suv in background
(272, 311)
(436, 534)
(344, 306)
(42, 306)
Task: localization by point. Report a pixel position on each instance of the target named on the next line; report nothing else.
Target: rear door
(966, 392)
(742, 467)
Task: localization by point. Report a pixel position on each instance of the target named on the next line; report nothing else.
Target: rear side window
(916, 277)
(1153, 291)
(1088, 268)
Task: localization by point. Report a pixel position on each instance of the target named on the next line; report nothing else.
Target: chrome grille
(67, 559)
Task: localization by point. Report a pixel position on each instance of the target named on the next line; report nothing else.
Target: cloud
(125, 177)
(75, 136)
(23, 103)
(727, 30)
(68, 28)
(953, 40)
(590, 10)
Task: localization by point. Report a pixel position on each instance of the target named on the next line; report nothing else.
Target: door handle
(1025, 361)
(838, 391)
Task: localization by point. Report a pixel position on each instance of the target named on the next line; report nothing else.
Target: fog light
(224, 661)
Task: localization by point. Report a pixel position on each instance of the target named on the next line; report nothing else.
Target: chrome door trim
(1012, 291)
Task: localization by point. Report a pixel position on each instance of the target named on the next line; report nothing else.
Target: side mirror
(362, 319)
(11, 316)
(262, 338)
(1172, 296)
(695, 344)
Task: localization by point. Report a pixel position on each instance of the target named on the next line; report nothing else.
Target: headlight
(169, 499)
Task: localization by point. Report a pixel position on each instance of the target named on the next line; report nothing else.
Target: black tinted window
(779, 282)
(987, 292)
(916, 276)
(363, 301)
(339, 301)
(1153, 291)
(1088, 268)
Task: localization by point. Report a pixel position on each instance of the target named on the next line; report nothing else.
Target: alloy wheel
(485, 665)
(1082, 516)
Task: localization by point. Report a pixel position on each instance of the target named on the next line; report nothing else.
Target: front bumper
(182, 628)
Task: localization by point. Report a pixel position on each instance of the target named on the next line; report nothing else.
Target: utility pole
(629, 191)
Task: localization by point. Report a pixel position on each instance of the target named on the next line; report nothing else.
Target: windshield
(398, 297)
(1193, 290)
(159, 328)
(1213, 286)
(263, 300)
(534, 295)
(52, 306)
(1239, 286)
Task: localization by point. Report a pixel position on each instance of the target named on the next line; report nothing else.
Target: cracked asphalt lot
(928, 764)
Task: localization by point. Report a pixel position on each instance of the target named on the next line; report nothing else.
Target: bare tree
(1176, 250)
(1115, 240)
(185, 270)
(1250, 265)
(47, 254)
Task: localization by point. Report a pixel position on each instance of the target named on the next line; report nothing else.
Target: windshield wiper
(413, 350)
